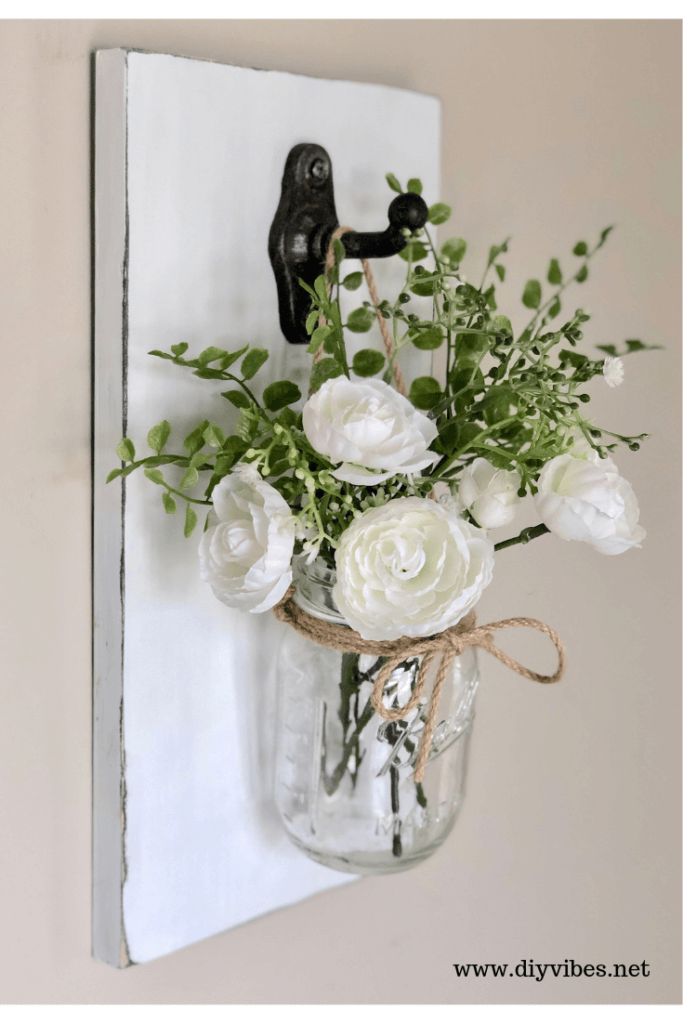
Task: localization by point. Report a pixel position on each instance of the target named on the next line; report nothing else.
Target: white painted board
(189, 158)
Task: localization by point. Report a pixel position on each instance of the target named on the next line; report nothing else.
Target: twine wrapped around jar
(448, 644)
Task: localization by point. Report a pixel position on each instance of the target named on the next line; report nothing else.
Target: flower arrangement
(387, 496)
(350, 478)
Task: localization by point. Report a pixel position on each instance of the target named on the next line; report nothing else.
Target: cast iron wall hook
(304, 223)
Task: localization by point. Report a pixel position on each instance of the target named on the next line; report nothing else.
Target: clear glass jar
(344, 776)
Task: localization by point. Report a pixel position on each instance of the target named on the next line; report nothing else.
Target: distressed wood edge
(109, 370)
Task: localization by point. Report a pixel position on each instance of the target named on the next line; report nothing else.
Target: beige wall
(568, 846)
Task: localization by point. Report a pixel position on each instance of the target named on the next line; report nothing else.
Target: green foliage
(158, 436)
(238, 399)
(281, 393)
(554, 272)
(439, 213)
(513, 398)
(353, 281)
(190, 520)
(431, 338)
(425, 392)
(454, 249)
(367, 362)
(360, 320)
(325, 370)
(125, 450)
(532, 294)
(253, 361)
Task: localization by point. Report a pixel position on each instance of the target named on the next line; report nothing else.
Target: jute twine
(448, 644)
(399, 380)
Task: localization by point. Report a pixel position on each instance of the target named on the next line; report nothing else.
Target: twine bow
(448, 644)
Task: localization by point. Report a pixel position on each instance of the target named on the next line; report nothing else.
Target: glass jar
(344, 776)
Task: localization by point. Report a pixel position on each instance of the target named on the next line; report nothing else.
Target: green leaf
(393, 183)
(439, 213)
(339, 250)
(211, 354)
(423, 289)
(190, 477)
(311, 320)
(490, 296)
(324, 370)
(161, 355)
(573, 358)
(158, 436)
(114, 473)
(238, 399)
(318, 337)
(580, 249)
(501, 323)
(532, 294)
(169, 503)
(253, 361)
(582, 274)
(425, 392)
(554, 272)
(609, 350)
(367, 362)
(353, 281)
(454, 249)
(214, 436)
(194, 441)
(430, 339)
(190, 520)
(500, 270)
(320, 285)
(494, 251)
(179, 350)
(155, 475)
(468, 432)
(449, 436)
(555, 307)
(603, 236)
(209, 374)
(360, 320)
(125, 450)
(281, 393)
(414, 185)
(413, 252)
(232, 357)
(635, 346)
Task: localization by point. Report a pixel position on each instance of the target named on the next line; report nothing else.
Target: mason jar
(344, 776)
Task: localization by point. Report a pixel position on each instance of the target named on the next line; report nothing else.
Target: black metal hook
(304, 223)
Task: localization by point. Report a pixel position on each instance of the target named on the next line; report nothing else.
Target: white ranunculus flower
(489, 494)
(372, 430)
(410, 568)
(586, 499)
(613, 371)
(247, 556)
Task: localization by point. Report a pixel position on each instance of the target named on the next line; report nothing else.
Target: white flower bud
(489, 494)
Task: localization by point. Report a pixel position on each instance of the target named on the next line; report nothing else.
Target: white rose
(586, 499)
(489, 494)
(247, 557)
(410, 568)
(372, 430)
